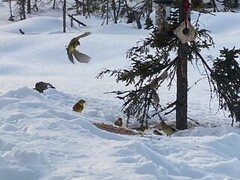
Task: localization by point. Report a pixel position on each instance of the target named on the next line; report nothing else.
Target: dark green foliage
(130, 17)
(147, 72)
(204, 40)
(148, 23)
(226, 75)
(230, 4)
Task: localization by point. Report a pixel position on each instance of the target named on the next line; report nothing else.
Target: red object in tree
(186, 6)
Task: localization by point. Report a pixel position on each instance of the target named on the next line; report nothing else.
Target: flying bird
(72, 52)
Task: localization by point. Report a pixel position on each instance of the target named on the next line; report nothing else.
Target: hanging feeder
(163, 1)
(186, 33)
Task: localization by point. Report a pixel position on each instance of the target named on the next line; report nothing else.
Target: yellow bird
(168, 130)
(72, 52)
(78, 107)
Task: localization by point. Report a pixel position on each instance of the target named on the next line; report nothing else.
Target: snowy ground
(42, 138)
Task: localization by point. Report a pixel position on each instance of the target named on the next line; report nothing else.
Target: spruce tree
(226, 80)
(152, 65)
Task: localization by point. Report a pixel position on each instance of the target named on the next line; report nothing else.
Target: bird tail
(80, 57)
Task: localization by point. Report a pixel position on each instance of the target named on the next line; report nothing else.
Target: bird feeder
(163, 1)
(186, 34)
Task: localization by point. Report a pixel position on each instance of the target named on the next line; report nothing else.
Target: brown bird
(78, 107)
(42, 86)
(168, 130)
(71, 50)
(118, 122)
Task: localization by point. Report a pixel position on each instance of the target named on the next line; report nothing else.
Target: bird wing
(70, 57)
(82, 35)
(80, 57)
(74, 41)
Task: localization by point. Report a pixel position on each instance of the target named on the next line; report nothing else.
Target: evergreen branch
(195, 83)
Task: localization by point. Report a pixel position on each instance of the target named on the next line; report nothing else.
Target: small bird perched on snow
(168, 130)
(78, 107)
(71, 50)
(42, 86)
(119, 122)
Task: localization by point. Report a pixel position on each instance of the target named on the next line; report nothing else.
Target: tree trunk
(23, 12)
(54, 4)
(64, 16)
(236, 4)
(182, 84)
(83, 8)
(10, 10)
(215, 9)
(29, 6)
(87, 8)
(159, 16)
(107, 12)
(182, 81)
(114, 11)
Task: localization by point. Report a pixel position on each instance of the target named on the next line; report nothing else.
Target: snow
(42, 138)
